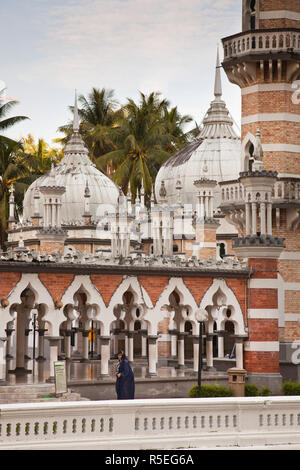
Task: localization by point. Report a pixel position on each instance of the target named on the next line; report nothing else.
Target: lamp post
(201, 316)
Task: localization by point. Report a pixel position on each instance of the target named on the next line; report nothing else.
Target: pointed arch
(42, 296)
(177, 284)
(133, 285)
(83, 282)
(248, 141)
(218, 289)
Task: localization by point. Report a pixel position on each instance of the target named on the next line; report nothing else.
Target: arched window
(253, 15)
(222, 250)
(249, 151)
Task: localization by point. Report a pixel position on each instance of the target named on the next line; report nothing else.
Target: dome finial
(76, 117)
(218, 81)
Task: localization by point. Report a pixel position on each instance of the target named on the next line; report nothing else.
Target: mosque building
(221, 235)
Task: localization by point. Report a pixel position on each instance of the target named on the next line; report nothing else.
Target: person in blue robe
(125, 386)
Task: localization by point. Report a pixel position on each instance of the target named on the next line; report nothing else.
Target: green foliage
(252, 390)
(291, 388)
(265, 392)
(209, 391)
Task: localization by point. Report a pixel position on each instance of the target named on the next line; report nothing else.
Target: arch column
(144, 343)
(2, 361)
(26, 344)
(152, 354)
(195, 353)
(239, 345)
(173, 334)
(209, 351)
(130, 346)
(180, 343)
(115, 340)
(85, 352)
(68, 348)
(221, 335)
(54, 342)
(105, 356)
(9, 333)
(41, 345)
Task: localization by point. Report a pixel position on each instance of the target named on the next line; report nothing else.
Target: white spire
(218, 82)
(76, 117)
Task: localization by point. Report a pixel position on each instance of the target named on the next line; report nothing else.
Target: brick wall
(56, 283)
(197, 286)
(263, 330)
(263, 102)
(50, 246)
(154, 285)
(278, 23)
(273, 5)
(261, 362)
(106, 285)
(7, 282)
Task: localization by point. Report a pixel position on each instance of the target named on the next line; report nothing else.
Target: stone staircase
(35, 393)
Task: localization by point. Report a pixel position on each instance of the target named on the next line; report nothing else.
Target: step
(34, 393)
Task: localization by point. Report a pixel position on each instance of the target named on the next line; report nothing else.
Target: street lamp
(201, 316)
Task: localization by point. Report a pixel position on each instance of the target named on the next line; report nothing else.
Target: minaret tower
(264, 61)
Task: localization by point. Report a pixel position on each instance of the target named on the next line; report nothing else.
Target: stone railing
(232, 192)
(134, 261)
(285, 189)
(261, 41)
(151, 424)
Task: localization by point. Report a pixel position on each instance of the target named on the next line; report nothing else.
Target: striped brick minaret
(261, 350)
(264, 61)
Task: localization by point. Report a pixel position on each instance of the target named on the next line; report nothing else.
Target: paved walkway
(80, 371)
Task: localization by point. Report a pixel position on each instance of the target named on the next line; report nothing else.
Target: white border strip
(262, 346)
(279, 14)
(263, 284)
(294, 286)
(271, 313)
(290, 256)
(268, 87)
(292, 148)
(294, 317)
(271, 117)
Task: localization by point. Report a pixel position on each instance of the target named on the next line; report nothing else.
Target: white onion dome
(214, 155)
(75, 172)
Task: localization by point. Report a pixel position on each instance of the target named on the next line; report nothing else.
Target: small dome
(215, 155)
(75, 172)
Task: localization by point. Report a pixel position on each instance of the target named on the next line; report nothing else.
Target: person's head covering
(123, 355)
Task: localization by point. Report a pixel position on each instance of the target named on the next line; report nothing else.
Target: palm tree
(175, 124)
(39, 156)
(99, 114)
(5, 122)
(141, 140)
(13, 171)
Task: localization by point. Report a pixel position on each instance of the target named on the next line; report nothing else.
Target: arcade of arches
(85, 317)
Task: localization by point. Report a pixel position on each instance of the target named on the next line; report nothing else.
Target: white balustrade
(234, 192)
(267, 41)
(151, 424)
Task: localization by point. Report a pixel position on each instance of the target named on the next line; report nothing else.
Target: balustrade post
(105, 355)
(54, 342)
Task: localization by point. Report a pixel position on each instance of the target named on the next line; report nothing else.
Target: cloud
(128, 38)
(127, 45)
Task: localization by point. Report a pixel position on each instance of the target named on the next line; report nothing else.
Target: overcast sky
(51, 47)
